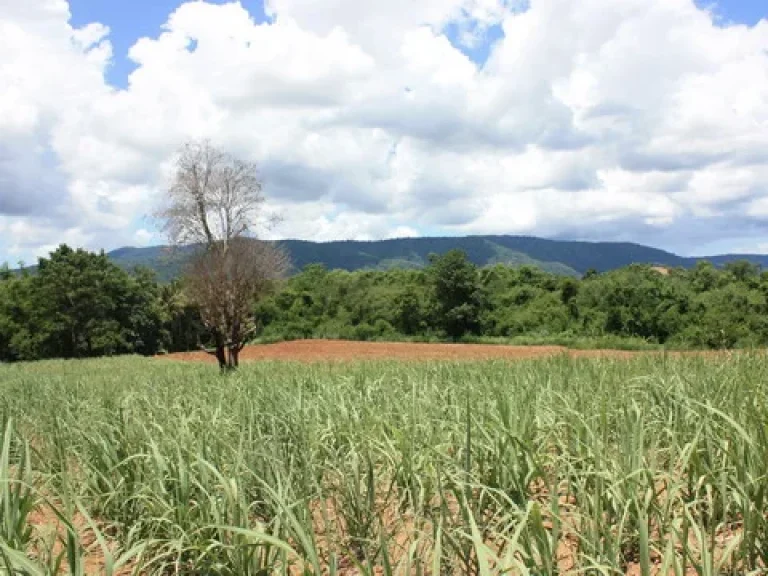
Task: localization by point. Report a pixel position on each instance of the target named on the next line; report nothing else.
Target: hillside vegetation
(568, 258)
(81, 304)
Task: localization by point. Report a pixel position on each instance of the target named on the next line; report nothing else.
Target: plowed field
(329, 350)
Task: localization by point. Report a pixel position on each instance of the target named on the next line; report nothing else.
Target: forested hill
(555, 256)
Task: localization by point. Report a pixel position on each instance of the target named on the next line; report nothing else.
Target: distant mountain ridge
(565, 257)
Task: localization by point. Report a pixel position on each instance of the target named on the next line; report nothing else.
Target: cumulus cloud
(641, 120)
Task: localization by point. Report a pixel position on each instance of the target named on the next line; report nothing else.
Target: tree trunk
(234, 360)
(234, 346)
(221, 354)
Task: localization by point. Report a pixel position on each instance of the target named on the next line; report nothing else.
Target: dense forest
(81, 304)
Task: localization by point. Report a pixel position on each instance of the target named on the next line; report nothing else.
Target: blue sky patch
(129, 20)
(480, 50)
(729, 12)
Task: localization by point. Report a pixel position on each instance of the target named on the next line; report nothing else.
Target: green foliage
(80, 304)
(704, 307)
(457, 293)
(410, 316)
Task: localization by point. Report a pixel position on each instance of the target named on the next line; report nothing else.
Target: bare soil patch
(50, 535)
(343, 350)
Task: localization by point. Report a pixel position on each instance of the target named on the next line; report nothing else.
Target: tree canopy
(79, 304)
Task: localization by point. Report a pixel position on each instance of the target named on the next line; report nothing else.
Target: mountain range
(565, 257)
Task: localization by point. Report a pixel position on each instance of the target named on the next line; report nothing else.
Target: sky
(623, 120)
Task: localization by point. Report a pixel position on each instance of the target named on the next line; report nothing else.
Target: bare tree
(224, 281)
(214, 197)
(215, 202)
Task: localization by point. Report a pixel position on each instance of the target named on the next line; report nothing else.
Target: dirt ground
(341, 350)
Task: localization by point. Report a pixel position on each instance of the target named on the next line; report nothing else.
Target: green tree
(17, 340)
(75, 295)
(80, 304)
(569, 290)
(744, 271)
(147, 318)
(409, 317)
(7, 327)
(182, 319)
(458, 296)
(704, 277)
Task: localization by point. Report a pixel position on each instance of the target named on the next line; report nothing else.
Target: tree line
(80, 304)
(452, 299)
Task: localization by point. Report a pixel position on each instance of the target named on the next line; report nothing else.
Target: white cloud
(143, 237)
(590, 118)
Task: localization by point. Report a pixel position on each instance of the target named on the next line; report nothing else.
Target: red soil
(329, 350)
